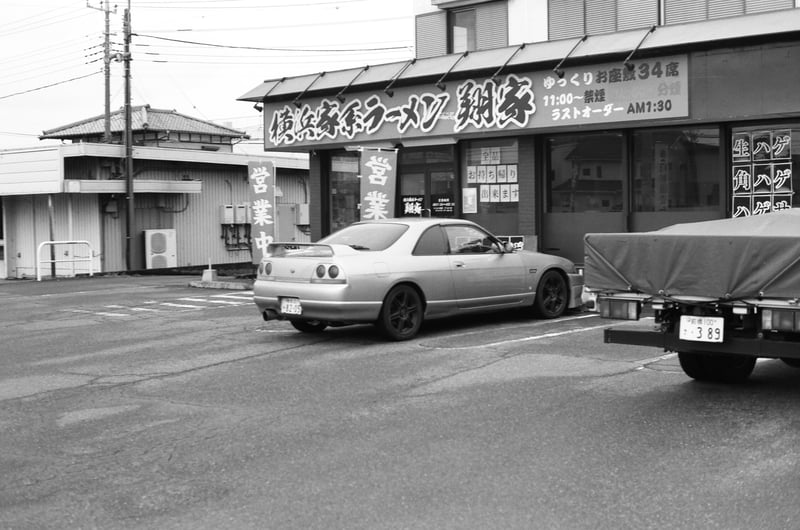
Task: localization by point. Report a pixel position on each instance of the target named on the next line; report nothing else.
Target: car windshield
(368, 236)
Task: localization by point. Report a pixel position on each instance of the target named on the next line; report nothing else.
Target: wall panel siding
(492, 25)
(601, 16)
(431, 34)
(633, 14)
(681, 11)
(29, 225)
(565, 19)
(758, 6)
(725, 8)
(198, 226)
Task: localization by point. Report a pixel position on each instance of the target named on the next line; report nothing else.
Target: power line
(173, 4)
(49, 86)
(232, 47)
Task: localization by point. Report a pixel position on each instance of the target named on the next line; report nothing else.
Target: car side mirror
(508, 247)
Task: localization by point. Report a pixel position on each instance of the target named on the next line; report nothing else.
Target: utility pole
(106, 68)
(130, 218)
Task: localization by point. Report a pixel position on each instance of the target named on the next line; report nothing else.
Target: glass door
(585, 191)
(428, 185)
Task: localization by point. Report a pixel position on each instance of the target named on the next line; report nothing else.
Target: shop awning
(533, 55)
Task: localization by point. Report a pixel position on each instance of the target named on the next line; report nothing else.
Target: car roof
(418, 221)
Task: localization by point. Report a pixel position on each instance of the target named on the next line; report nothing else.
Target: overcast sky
(192, 56)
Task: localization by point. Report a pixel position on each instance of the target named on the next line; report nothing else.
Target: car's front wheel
(401, 313)
(552, 295)
(309, 326)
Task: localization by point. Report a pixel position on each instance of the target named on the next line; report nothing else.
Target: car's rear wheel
(552, 295)
(401, 313)
(309, 326)
(717, 368)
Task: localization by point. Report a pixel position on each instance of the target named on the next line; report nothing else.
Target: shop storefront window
(491, 177)
(676, 170)
(763, 160)
(345, 190)
(427, 182)
(585, 173)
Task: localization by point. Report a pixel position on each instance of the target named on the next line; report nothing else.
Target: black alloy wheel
(552, 296)
(401, 313)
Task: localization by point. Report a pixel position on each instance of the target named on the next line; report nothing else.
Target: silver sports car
(397, 272)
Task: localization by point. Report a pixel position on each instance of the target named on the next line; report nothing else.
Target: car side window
(431, 243)
(470, 240)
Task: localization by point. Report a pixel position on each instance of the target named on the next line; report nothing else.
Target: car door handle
(459, 264)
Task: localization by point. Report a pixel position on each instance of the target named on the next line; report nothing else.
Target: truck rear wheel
(717, 368)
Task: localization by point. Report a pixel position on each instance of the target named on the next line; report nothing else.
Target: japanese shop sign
(378, 176)
(412, 205)
(262, 206)
(604, 93)
(762, 172)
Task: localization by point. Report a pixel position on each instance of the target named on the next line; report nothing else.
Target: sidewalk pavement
(104, 280)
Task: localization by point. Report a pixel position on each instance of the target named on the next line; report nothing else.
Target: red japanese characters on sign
(262, 206)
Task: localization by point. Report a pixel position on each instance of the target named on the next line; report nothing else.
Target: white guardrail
(73, 259)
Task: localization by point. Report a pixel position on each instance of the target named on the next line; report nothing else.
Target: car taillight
(328, 273)
(265, 268)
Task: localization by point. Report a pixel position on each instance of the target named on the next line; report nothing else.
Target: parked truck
(721, 293)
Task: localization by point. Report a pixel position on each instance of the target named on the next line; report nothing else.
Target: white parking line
(100, 313)
(187, 306)
(545, 335)
(234, 296)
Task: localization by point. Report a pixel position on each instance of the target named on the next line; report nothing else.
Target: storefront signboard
(762, 172)
(412, 205)
(378, 178)
(262, 206)
(606, 93)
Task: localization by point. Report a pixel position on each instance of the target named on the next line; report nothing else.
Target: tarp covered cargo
(746, 257)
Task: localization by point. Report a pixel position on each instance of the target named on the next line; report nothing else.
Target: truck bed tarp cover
(744, 257)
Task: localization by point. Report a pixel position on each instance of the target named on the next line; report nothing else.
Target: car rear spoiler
(299, 249)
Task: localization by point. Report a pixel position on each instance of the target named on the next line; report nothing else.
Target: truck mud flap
(734, 345)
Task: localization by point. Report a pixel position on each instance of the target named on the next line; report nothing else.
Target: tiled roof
(142, 118)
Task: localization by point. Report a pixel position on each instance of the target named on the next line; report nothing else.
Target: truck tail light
(619, 309)
(780, 320)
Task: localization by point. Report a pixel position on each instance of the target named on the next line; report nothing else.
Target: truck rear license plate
(701, 329)
(291, 306)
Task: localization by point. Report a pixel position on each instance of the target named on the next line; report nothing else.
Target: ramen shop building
(546, 120)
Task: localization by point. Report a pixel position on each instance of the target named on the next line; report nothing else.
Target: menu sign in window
(762, 172)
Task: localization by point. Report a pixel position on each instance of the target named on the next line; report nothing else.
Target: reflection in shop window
(676, 170)
(585, 173)
(345, 191)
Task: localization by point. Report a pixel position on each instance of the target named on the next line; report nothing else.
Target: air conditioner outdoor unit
(159, 248)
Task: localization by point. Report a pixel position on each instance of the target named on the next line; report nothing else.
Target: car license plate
(701, 329)
(291, 306)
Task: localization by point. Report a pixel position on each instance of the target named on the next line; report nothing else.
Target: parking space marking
(186, 306)
(100, 313)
